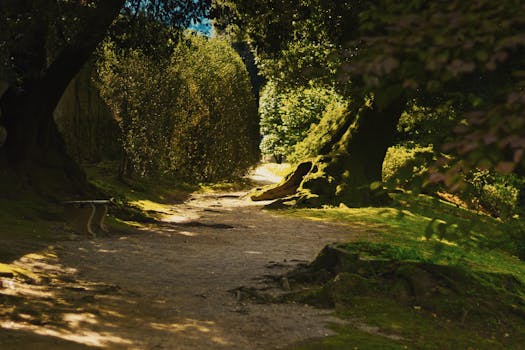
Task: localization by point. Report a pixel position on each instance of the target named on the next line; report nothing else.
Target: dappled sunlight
(52, 303)
(186, 233)
(193, 329)
(148, 205)
(58, 305)
(17, 288)
(76, 334)
(252, 252)
(180, 219)
(268, 174)
(107, 251)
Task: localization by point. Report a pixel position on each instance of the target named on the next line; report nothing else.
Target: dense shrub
(496, 193)
(192, 115)
(217, 135)
(426, 126)
(139, 94)
(406, 165)
(287, 116)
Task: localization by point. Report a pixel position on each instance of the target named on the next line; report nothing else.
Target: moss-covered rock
(344, 272)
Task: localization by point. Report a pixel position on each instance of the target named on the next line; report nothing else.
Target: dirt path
(170, 287)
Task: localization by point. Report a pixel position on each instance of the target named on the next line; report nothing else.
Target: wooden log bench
(87, 216)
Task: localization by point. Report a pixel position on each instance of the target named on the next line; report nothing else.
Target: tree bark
(349, 168)
(27, 108)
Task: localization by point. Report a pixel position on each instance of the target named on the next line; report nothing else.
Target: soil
(174, 285)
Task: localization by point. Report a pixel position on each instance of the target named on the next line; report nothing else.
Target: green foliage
(217, 136)
(440, 231)
(496, 193)
(191, 116)
(295, 42)
(406, 166)
(475, 64)
(287, 116)
(140, 95)
(35, 33)
(427, 126)
(470, 71)
(333, 118)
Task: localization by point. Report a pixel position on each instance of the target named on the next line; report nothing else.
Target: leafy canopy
(468, 55)
(35, 32)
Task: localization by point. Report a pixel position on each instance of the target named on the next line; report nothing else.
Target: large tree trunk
(349, 168)
(33, 140)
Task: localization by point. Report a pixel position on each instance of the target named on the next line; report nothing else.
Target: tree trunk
(33, 139)
(350, 170)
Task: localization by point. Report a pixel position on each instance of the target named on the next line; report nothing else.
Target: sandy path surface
(170, 287)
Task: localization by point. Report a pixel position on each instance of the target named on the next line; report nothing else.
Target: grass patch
(149, 199)
(27, 225)
(468, 259)
(440, 232)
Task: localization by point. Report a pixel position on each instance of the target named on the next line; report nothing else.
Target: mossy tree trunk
(33, 145)
(349, 167)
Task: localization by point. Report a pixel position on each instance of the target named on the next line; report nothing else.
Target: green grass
(423, 228)
(27, 226)
(442, 232)
(159, 190)
(372, 323)
(154, 196)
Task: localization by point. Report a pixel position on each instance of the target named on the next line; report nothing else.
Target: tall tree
(299, 42)
(466, 54)
(43, 45)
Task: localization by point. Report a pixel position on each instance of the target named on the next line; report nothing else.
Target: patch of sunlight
(275, 169)
(436, 239)
(180, 219)
(112, 313)
(203, 327)
(20, 289)
(107, 251)
(187, 233)
(75, 320)
(193, 328)
(134, 224)
(219, 340)
(147, 205)
(15, 270)
(33, 256)
(81, 336)
(313, 218)
(252, 252)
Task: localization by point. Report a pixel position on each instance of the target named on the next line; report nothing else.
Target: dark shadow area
(201, 224)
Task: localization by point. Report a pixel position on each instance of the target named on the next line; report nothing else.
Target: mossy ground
(384, 324)
(31, 222)
(150, 198)
(418, 229)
